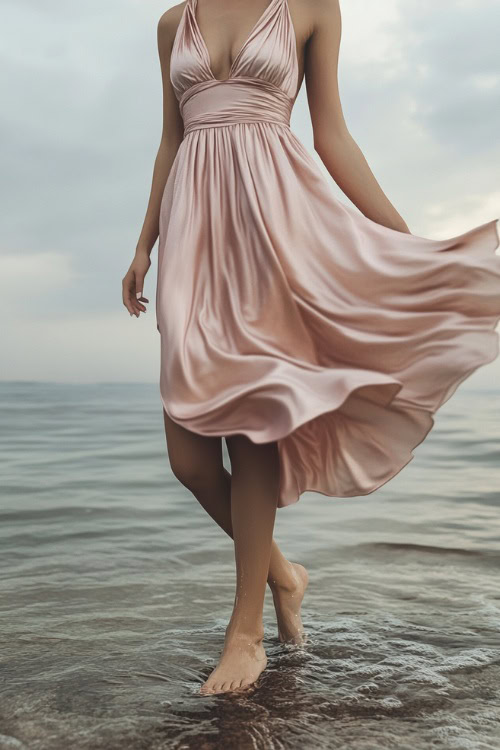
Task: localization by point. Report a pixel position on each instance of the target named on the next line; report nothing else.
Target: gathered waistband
(246, 100)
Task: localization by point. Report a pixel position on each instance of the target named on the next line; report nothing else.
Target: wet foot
(242, 660)
(287, 602)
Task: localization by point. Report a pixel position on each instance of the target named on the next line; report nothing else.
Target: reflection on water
(117, 587)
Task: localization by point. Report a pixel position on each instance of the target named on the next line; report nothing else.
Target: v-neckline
(194, 4)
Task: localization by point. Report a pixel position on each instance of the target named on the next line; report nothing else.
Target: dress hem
(280, 434)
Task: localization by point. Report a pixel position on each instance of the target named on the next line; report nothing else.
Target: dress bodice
(262, 80)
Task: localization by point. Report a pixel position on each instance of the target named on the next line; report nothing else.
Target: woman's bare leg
(254, 497)
(197, 462)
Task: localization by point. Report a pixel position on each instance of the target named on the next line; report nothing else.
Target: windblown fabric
(285, 314)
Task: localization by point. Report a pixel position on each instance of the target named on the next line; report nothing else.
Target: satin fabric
(284, 313)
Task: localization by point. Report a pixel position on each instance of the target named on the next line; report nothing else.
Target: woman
(316, 339)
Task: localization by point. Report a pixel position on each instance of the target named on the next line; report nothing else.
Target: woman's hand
(133, 283)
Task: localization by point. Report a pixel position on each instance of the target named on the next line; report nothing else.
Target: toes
(207, 687)
(225, 687)
(214, 687)
(242, 686)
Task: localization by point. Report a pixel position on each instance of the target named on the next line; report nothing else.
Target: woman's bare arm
(332, 141)
(171, 137)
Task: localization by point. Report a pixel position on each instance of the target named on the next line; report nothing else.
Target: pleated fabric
(284, 313)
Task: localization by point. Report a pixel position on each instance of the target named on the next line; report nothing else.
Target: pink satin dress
(284, 313)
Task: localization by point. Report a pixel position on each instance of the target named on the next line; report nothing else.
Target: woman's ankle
(236, 632)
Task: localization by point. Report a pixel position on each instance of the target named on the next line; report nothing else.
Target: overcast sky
(80, 127)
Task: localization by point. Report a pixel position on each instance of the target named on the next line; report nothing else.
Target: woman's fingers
(129, 295)
(126, 293)
(140, 271)
(133, 285)
(139, 299)
(139, 283)
(138, 302)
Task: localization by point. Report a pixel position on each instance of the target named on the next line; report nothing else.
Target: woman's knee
(194, 474)
(195, 460)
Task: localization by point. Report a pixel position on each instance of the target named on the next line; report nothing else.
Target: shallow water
(116, 589)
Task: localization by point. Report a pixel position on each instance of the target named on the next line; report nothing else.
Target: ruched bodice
(284, 313)
(262, 82)
(209, 104)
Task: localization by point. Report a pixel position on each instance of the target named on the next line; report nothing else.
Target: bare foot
(242, 660)
(287, 602)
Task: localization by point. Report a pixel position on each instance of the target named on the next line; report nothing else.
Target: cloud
(37, 274)
(38, 269)
(81, 123)
(82, 348)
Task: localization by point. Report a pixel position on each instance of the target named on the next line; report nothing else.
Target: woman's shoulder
(169, 20)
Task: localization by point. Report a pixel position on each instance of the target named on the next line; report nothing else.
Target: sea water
(116, 588)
